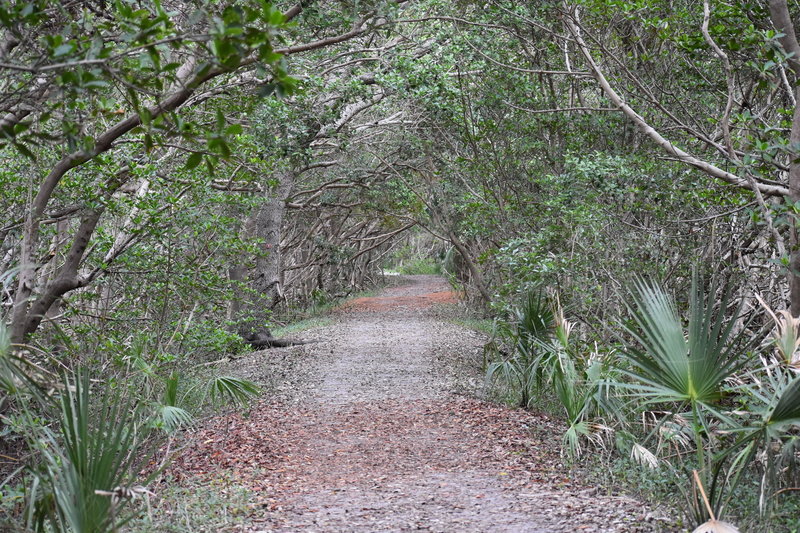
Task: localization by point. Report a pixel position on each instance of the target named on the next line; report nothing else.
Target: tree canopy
(184, 174)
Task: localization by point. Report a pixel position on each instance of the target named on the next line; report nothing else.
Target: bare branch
(655, 136)
(726, 116)
(562, 109)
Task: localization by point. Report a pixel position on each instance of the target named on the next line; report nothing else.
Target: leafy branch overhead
(104, 73)
(86, 66)
(183, 178)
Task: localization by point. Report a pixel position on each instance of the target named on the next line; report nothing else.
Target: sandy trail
(375, 440)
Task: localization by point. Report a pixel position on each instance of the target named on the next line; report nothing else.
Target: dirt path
(367, 435)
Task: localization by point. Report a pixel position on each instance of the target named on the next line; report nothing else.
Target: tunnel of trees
(180, 175)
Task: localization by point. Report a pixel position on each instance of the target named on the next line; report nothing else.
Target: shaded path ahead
(375, 440)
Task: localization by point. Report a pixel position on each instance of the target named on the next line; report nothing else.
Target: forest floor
(379, 426)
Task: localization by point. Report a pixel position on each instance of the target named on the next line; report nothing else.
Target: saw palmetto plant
(687, 370)
(684, 372)
(544, 362)
(86, 472)
(528, 334)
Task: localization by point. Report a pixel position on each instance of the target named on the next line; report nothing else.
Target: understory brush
(420, 254)
(542, 363)
(701, 404)
(87, 448)
(420, 265)
(482, 325)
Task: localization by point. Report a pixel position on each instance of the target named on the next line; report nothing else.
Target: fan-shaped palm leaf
(94, 452)
(535, 318)
(676, 366)
(172, 417)
(236, 390)
(787, 408)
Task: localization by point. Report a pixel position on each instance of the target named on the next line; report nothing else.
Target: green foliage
(528, 335)
(84, 476)
(205, 338)
(88, 439)
(419, 254)
(231, 389)
(420, 266)
(546, 363)
(172, 418)
(169, 414)
(687, 374)
(683, 367)
(119, 56)
(705, 401)
(302, 325)
(16, 374)
(481, 127)
(482, 325)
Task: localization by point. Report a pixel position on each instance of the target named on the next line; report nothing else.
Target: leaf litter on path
(373, 439)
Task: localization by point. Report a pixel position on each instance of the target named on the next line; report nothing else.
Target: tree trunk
(794, 198)
(28, 315)
(477, 277)
(265, 280)
(779, 13)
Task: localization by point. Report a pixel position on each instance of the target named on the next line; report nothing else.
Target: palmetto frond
(786, 336)
(677, 365)
(173, 417)
(94, 452)
(235, 390)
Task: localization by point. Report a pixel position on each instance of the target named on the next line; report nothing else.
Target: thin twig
(703, 493)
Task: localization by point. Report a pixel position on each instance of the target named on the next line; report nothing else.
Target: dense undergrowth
(82, 450)
(692, 405)
(172, 173)
(687, 386)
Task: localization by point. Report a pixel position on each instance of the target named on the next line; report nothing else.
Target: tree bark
(266, 279)
(779, 13)
(477, 277)
(67, 279)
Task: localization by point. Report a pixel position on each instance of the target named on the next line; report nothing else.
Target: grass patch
(302, 325)
(421, 265)
(481, 325)
(217, 505)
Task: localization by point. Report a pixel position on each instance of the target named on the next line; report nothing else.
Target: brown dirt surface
(377, 428)
(397, 298)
